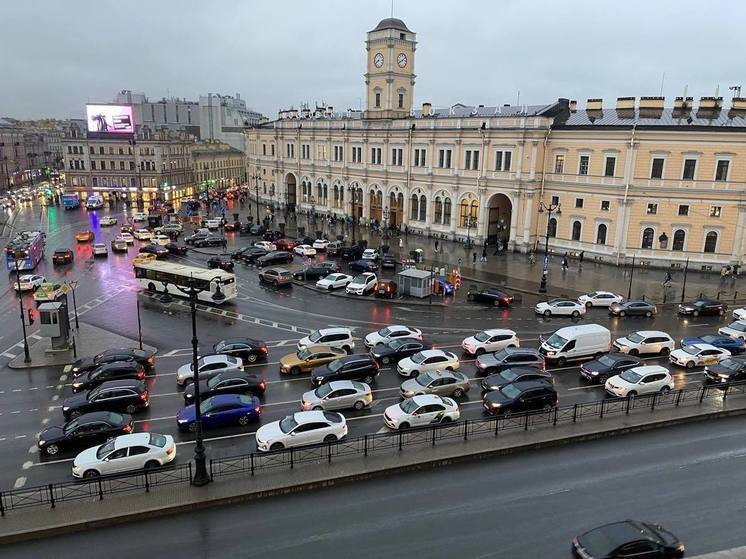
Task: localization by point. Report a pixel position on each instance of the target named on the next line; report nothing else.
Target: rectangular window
(579, 202)
(715, 211)
(721, 172)
(264, 149)
(471, 160)
(103, 165)
(121, 165)
(273, 148)
(684, 209)
(93, 165)
(656, 171)
(690, 166)
(555, 200)
(401, 100)
(610, 166)
(397, 156)
(444, 159)
(584, 164)
(419, 157)
(378, 100)
(652, 209)
(375, 156)
(605, 205)
(559, 164)
(321, 152)
(357, 155)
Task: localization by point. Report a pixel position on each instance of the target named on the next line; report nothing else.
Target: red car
(285, 244)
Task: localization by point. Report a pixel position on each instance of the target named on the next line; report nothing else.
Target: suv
(62, 256)
(645, 341)
(520, 397)
(276, 276)
(362, 284)
(114, 395)
(274, 257)
(333, 337)
(510, 357)
(360, 367)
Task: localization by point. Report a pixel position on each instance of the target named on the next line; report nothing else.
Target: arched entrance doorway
(500, 209)
(375, 206)
(396, 209)
(290, 192)
(357, 201)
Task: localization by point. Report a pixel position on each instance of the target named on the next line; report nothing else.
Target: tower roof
(391, 23)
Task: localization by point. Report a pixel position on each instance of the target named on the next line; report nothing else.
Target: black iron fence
(379, 443)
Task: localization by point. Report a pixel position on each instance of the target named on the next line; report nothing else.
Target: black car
(191, 239)
(490, 295)
(142, 356)
(520, 397)
(85, 431)
(362, 266)
(360, 367)
(248, 349)
(256, 230)
(628, 538)
(731, 369)
(353, 252)
(157, 250)
(238, 253)
(272, 236)
(395, 350)
(274, 257)
(606, 366)
(210, 241)
(62, 256)
(177, 249)
(703, 306)
(109, 371)
(496, 381)
(217, 262)
(250, 255)
(317, 271)
(388, 261)
(303, 241)
(114, 395)
(510, 357)
(232, 382)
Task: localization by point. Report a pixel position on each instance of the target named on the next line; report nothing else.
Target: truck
(94, 202)
(71, 201)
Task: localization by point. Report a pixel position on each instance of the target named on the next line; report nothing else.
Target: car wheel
(90, 474)
(414, 374)
(330, 439)
(192, 427)
(368, 379)
(547, 313)
(52, 449)
(385, 360)
(131, 408)
(634, 351)
(403, 426)
(277, 446)
(561, 361)
(458, 393)
(252, 357)
(151, 287)
(631, 394)
(347, 348)
(244, 420)
(588, 305)
(275, 283)
(294, 370)
(690, 364)
(359, 405)
(496, 303)
(575, 314)
(75, 415)
(446, 419)
(622, 313)
(665, 390)
(665, 351)
(480, 351)
(695, 313)
(152, 464)
(648, 314)
(470, 297)
(329, 288)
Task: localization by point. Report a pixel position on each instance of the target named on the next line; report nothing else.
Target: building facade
(26, 147)
(217, 165)
(636, 180)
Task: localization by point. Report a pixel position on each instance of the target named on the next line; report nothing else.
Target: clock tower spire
(390, 76)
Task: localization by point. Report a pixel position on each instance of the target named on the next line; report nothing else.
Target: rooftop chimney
(573, 105)
(683, 104)
(594, 105)
(652, 102)
(710, 102)
(738, 104)
(427, 109)
(624, 103)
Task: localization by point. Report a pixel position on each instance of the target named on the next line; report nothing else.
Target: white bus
(153, 275)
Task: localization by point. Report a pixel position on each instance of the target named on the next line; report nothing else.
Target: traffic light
(30, 313)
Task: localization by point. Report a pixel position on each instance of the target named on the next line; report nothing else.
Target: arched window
(414, 211)
(336, 196)
(319, 193)
(711, 242)
(552, 227)
(447, 212)
(679, 237)
(438, 213)
(601, 234)
(577, 227)
(326, 195)
(474, 212)
(463, 213)
(647, 238)
(423, 208)
(341, 195)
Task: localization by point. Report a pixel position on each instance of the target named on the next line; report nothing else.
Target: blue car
(363, 266)
(225, 409)
(734, 345)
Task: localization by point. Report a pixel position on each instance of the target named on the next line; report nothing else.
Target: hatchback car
(361, 367)
(428, 360)
(209, 366)
(488, 341)
(334, 281)
(633, 308)
(232, 382)
(443, 383)
(640, 380)
(427, 409)
(353, 252)
(144, 357)
(100, 249)
(393, 332)
(599, 299)
(698, 355)
(317, 271)
(607, 366)
(221, 410)
(385, 289)
(84, 431)
(520, 397)
(126, 237)
(396, 349)
(735, 345)
(362, 266)
(702, 307)
(320, 244)
(731, 369)
(629, 538)
(125, 453)
(301, 428)
(276, 277)
(510, 357)
(735, 329)
(248, 349)
(337, 395)
(29, 282)
(490, 295)
(362, 284)
(62, 256)
(496, 381)
(115, 395)
(109, 371)
(306, 360)
(272, 258)
(645, 341)
(336, 337)
(199, 236)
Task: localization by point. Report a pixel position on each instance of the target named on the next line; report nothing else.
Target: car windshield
(509, 375)
(385, 332)
(738, 326)
(409, 406)
(606, 361)
(335, 365)
(323, 390)
(206, 406)
(418, 358)
(635, 338)
(556, 341)
(315, 337)
(510, 391)
(630, 376)
(157, 440)
(303, 354)
(105, 449)
(690, 349)
(731, 364)
(70, 427)
(396, 344)
(200, 364)
(482, 337)
(360, 279)
(288, 424)
(425, 379)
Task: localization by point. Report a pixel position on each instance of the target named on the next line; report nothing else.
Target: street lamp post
(73, 285)
(470, 222)
(385, 222)
(353, 201)
(255, 176)
(549, 208)
(201, 476)
(26, 354)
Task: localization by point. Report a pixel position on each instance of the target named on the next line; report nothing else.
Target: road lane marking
(20, 482)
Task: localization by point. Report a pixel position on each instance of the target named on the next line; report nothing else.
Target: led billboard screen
(110, 119)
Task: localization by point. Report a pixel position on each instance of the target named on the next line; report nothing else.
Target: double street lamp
(549, 208)
(353, 203)
(470, 222)
(26, 354)
(385, 222)
(201, 476)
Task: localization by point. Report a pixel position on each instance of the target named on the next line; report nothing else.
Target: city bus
(71, 201)
(26, 249)
(155, 276)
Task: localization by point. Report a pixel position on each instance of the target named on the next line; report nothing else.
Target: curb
(297, 487)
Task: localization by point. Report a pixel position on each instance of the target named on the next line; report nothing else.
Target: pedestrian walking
(401, 244)
(436, 245)
(581, 256)
(474, 257)
(484, 254)
(225, 243)
(406, 230)
(565, 264)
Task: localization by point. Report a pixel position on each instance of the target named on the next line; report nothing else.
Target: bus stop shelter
(414, 282)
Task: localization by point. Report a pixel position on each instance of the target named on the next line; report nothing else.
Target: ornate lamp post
(26, 354)
(353, 202)
(556, 208)
(470, 222)
(385, 222)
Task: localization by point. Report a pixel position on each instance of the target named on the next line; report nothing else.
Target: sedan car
(176, 249)
(301, 428)
(385, 289)
(232, 382)
(100, 249)
(338, 395)
(489, 341)
(305, 250)
(496, 381)
(510, 357)
(396, 349)
(209, 366)
(125, 453)
(370, 254)
(320, 244)
(629, 538)
(599, 299)
(221, 263)
(108, 371)
(199, 236)
(490, 295)
(248, 349)
(210, 241)
(351, 367)
(84, 236)
(560, 307)
(62, 256)
(84, 431)
(272, 258)
(317, 271)
(362, 266)
(645, 341)
(144, 357)
(143, 258)
(703, 306)
(114, 395)
(362, 284)
(640, 380)
(427, 409)
(156, 250)
(520, 397)
(735, 329)
(126, 229)
(332, 249)
(266, 245)
(334, 281)
(126, 237)
(353, 252)
(221, 410)
(633, 308)
(285, 244)
(250, 255)
(306, 360)
(107, 221)
(428, 360)
(393, 332)
(162, 240)
(29, 282)
(49, 292)
(731, 369)
(607, 366)
(140, 216)
(735, 345)
(443, 383)
(142, 234)
(697, 355)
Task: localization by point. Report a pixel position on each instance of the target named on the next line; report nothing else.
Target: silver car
(443, 383)
(338, 395)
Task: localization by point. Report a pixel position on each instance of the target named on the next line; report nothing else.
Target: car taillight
(263, 349)
(144, 396)
(151, 359)
(170, 451)
(127, 429)
(262, 385)
(376, 365)
(141, 374)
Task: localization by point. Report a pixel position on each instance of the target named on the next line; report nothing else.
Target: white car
(140, 216)
(362, 284)
(320, 244)
(305, 250)
(370, 254)
(338, 395)
(739, 314)
(100, 249)
(645, 341)
(107, 220)
(29, 282)
(125, 453)
(560, 307)
(212, 224)
(170, 228)
(161, 240)
(428, 360)
(126, 237)
(640, 380)
(333, 281)
(735, 329)
(209, 366)
(600, 299)
(301, 428)
(333, 337)
(426, 409)
(143, 234)
(266, 245)
(393, 332)
(490, 341)
(697, 355)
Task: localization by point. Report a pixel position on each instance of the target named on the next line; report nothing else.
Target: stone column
(737, 254)
(534, 150)
(519, 166)
(528, 213)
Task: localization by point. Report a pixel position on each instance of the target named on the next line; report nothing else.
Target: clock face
(401, 60)
(378, 60)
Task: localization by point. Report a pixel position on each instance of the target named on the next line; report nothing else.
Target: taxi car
(307, 359)
(84, 237)
(143, 257)
(698, 355)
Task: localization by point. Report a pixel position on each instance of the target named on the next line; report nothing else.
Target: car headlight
(594, 373)
(494, 405)
(65, 408)
(42, 442)
(182, 421)
(77, 384)
(551, 353)
(481, 365)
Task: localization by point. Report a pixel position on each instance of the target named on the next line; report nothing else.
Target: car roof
(498, 331)
(302, 417)
(221, 399)
(519, 370)
(523, 385)
(337, 384)
(649, 369)
(335, 330)
(96, 416)
(322, 348)
(125, 383)
(511, 350)
(647, 333)
(432, 352)
(702, 347)
(251, 341)
(619, 533)
(132, 439)
(215, 357)
(425, 399)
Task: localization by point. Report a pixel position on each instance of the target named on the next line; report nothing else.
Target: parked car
(739, 314)
(599, 370)
(698, 355)
(731, 369)
(489, 341)
(119, 245)
(84, 431)
(362, 266)
(125, 453)
(213, 224)
(509, 357)
(108, 371)
(127, 228)
(392, 332)
(428, 360)
(156, 250)
(272, 258)
(353, 252)
(305, 250)
(29, 282)
(62, 256)
(640, 380)
(361, 367)
(386, 289)
(600, 299)
(199, 236)
(161, 240)
(143, 257)
(308, 359)
(370, 254)
(218, 262)
(169, 228)
(266, 245)
(362, 284)
(703, 306)
(645, 341)
(334, 281)
(628, 538)
(443, 383)
(144, 357)
(230, 382)
(336, 337)
(140, 216)
(496, 381)
(428, 409)
(317, 271)
(115, 395)
(332, 249)
(338, 395)
(394, 350)
(210, 241)
(221, 410)
(301, 428)
(126, 237)
(276, 276)
(633, 308)
(735, 345)
(100, 249)
(320, 244)
(520, 397)
(735, 329)
(209, 366)
(248, 349)
(176, 249)
(84, 237)
(238, 253)
(490, 295)
(107, 221)
(560, 307)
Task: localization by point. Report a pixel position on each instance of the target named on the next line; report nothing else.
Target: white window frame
(723, 157)
(582, 154)
(447, 157)
(684, 158)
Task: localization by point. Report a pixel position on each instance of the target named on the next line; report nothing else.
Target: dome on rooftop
(391, 23)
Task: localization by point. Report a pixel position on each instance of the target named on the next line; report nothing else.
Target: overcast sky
(56, 56)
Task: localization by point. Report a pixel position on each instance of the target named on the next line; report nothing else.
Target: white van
(576, 342)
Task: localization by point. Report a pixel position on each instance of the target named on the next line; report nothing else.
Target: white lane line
(220, 438)
(27, 465)
(50, 462)
(20, 482)
(33, 449)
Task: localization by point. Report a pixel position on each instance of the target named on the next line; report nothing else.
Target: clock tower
(390, 76)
